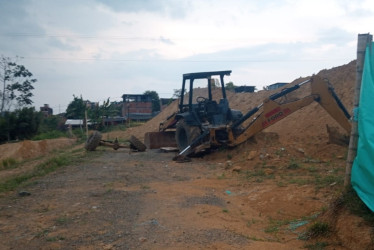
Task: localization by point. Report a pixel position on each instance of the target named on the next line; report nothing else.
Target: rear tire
(93, 141)
(185, 134)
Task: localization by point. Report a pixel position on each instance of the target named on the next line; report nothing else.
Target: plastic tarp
(362, 177)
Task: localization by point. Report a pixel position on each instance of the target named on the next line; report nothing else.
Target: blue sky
(106, 48)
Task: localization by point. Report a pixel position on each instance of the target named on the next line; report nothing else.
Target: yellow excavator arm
(272, 111)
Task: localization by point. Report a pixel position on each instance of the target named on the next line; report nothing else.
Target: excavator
(202, 123)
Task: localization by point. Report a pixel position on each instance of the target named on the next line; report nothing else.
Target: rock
(237, 169)
(24, 193)
(301, 150)
(142, 239)
(252, 154)
(228, 164)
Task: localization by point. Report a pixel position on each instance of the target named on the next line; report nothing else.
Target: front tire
(93, 141)
(185, 134)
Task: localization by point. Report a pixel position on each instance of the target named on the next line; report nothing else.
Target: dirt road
(145, 200)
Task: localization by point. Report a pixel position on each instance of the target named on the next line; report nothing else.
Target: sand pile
(30, 149)
(304, 127)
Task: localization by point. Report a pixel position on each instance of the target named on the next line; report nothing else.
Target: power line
(218, 60)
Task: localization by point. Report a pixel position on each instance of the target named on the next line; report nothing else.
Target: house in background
(276, 85)
(46, 110)
(137, 107)
(245, 89)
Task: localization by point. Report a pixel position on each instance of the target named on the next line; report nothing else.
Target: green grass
(317, 246)
(44, 168)
(49, 135)
(354, 204)
(8, 163)
(318, 229)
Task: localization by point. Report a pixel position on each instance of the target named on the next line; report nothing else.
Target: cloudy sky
(106, 48)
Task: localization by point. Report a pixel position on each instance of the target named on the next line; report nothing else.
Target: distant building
(246, 89)
(46, 110)
(91, 105)
(137, 107)
(276, 85)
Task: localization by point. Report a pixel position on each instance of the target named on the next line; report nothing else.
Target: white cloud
(101, 48)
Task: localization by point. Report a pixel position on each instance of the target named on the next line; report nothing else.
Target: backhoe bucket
(155, 140)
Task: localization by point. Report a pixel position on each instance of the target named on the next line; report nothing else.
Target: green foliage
(16, 84)
(8, 163)
(20, 124)
(355, 205)
(76, 108)
(155, 100)
(230, 86)
(98, 113)
(53, 134)
(318, 229)
(51, 123)
(317, 246)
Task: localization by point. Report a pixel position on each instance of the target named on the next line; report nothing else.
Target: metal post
(362, 42)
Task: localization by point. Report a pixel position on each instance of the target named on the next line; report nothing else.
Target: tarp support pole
(362, 41)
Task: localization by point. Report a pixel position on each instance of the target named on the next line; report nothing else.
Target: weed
(355, 205)
(221, 177)
(271, 229)
(318, 229)
(317, 246)
(225, 210)
(49, 135)
(43, 233)
(293, 164)
(281, 184)
(42, 169)
(8, 163)
(251, 222)
(62, 220)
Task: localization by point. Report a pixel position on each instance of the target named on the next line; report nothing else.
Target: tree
(230, 86)
(17, 84)
(76, 108)
(177, 93)
(155, 100)
(98, 113)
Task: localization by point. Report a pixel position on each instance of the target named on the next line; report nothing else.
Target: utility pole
(362, 41)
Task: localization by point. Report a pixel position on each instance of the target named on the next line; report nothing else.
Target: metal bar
(272, 97)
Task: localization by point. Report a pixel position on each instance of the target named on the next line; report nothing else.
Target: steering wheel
(201, 99)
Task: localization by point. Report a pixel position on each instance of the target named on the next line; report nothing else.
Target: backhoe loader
(202, 123)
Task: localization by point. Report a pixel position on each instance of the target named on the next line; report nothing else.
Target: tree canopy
(17, 85)
(76, 108)
(155, 100)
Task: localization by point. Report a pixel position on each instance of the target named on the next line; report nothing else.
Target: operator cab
(201, 105)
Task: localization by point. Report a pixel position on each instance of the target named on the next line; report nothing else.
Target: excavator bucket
(155, 140)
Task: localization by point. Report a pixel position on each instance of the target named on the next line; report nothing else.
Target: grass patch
(355, 205)
(49, 135)
(293, 164)
(317, 246)
(318, 229)
(8, 163)
(274, 225)
(44, 168)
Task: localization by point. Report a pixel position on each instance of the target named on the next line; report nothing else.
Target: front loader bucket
(155, 140)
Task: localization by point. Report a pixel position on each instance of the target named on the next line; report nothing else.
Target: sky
(101, 49)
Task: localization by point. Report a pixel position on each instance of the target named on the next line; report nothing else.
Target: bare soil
(263, 194)
(147, 201)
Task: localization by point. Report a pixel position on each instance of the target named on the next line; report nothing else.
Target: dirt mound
(307, 125)
(29, 149)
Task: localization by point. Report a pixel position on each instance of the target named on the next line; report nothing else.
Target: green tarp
(363, 165)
